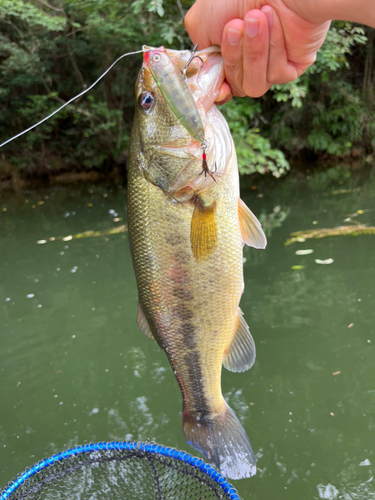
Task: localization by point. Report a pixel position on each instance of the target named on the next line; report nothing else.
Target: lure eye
(156, 57)
(146, 100)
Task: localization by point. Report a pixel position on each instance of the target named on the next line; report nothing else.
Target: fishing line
(72, 99)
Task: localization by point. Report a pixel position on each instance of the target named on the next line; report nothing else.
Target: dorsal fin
(251, 229)
(142, 323)
(203, 233)
(240, 356)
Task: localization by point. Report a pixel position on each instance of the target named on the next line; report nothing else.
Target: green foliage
(254, 152)
(324, 110)
(292, 91)
(14, 12)
(151, 6)
(340, 40)
(261, 157)
(50, 51)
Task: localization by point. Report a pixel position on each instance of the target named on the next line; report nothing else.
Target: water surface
(74, 369)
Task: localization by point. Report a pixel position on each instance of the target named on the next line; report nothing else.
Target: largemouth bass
(186, 232)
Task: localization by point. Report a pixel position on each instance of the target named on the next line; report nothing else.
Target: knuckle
(233, 73)
(232, 57)
(275, 78)
(232, 69)
(234, 80)
(274, 45)
(278, 80)
(238, 93)
(312, 59)
(189, 20)
(253, 91)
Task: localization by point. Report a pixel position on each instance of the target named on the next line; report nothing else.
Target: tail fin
(223, 441)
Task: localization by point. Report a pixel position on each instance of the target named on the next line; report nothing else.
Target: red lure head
(150, 54)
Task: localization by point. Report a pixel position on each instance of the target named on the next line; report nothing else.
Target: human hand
(271, 44)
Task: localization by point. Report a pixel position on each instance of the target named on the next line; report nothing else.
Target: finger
(231, 50)
(279, 70)
(225, 94)
(255, 54)
(197, 30)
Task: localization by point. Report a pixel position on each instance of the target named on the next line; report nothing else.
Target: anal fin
(142, 323)
(203, 232)
(251, 229)
(240, 355)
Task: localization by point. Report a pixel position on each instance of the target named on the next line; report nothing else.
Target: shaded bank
(13, 179)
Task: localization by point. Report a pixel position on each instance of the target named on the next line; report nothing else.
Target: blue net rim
(129, 446)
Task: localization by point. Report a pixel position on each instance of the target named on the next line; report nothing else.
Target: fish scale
(194, 302)
(187, 257)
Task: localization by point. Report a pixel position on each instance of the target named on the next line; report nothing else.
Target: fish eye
(146, 100)
(156, 57)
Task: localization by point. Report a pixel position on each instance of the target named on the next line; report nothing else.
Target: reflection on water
(74, 368)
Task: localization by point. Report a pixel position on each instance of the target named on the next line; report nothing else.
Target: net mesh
(121, 470)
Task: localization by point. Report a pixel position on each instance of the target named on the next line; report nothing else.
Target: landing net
(120, 470)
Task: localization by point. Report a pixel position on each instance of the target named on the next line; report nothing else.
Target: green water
(74, 369)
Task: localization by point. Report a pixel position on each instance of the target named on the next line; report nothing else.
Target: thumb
(198, 31)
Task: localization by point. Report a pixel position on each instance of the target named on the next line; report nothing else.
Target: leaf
(137, 6)
(31, 15)
(308, 251)
(326, 261)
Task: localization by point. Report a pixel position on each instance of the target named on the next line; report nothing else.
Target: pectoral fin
(203, 233)
(142, 323)
(240, 355)
(251, 229)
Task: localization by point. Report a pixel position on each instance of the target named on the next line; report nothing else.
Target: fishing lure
(205, 168)
(173, 86)
(192, 56)
(175, 90)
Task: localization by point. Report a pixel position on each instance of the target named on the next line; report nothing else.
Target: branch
(15, 27)
(353, 230)
(50, 6)
(76, 69)
(86, 234)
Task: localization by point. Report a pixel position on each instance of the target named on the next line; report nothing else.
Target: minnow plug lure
(173, 86)
(204, 144)
(175, 90)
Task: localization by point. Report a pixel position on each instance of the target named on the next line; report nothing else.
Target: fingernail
(234, 36)
(252, 26)
(268, 12)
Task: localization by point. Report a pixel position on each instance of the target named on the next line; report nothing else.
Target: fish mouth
(204, 77)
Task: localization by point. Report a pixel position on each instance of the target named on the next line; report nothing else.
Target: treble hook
(192, 56)
(205, 168)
